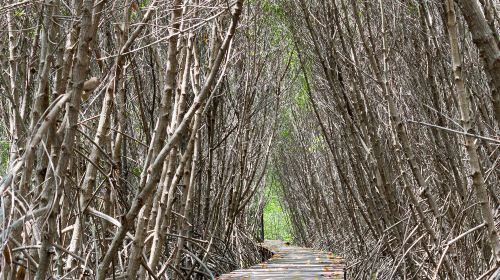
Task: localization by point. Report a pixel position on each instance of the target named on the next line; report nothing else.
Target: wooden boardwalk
(291, 262)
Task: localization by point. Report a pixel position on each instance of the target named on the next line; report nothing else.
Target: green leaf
(4, 156)
(19, 13)
(136, 171)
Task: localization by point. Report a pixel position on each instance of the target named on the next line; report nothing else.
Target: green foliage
(274, 19)
(276, 221)
(4, 156)
(317, 144)
(285, 118)
(301, 99)
(136, 171)
(19, 13)
(412, 9)
(133, 17)
(144, 4)
(285, 133)
(274, 9)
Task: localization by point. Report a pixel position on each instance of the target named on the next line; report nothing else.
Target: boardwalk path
(290, 262)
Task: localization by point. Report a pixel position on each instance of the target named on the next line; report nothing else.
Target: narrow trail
(291, 262)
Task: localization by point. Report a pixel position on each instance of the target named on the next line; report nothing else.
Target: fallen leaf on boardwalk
(263, 265)
(326, 268)
(296, 277)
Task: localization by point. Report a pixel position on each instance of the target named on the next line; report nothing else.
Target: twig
(22, 220)
(450, 243)
(59, 247)
(457, 131)
(200, 262)
(13, 5)
(189, 238)
(488, 273)
(144, 263)
(464, 234)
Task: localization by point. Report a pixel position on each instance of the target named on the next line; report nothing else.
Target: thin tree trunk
(470, 144)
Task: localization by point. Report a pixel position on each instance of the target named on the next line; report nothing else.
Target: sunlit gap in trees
(276, 219)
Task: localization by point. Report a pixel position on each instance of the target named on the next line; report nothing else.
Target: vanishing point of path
(291, 262)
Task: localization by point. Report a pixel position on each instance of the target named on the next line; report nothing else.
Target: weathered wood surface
(291, 262)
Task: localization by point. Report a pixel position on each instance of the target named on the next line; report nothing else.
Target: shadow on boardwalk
(291, 262)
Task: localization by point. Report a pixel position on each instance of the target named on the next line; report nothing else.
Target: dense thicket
(139, 139)
(134, 136)
(395, 159)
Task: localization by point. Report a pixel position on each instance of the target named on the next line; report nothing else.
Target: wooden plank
(292, 262)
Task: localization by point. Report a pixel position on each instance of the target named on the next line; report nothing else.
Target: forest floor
(292, 262)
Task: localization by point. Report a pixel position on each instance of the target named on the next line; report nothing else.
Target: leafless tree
(138, 137)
